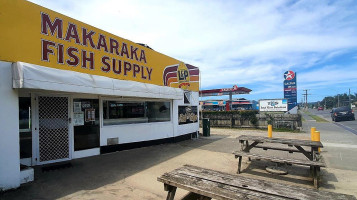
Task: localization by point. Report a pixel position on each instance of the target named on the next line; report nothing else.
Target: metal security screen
(53, 128)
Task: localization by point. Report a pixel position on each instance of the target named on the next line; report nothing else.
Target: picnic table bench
(206, 184)
(313, 157)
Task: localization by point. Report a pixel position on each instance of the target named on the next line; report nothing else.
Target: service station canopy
(225, 91)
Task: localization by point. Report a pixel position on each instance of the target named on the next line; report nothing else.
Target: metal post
(230, 101)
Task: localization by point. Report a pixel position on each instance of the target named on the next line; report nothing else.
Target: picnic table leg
(315, 153)
(247, 145)
(315, 169)
(316, 176)
(241, 145)
(171, 191)
(239, 164)
(312, 171)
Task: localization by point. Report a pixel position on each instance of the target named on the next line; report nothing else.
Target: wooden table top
(222, 185)
(297, 142)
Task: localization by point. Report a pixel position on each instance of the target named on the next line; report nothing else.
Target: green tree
(338, 100)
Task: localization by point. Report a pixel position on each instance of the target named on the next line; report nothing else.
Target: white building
(70, 90)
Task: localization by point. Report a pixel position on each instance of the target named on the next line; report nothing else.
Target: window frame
(132, 100)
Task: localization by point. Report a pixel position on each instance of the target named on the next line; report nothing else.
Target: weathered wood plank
(249, 147)
(277, 189)
(266, 147)
(261, 139)
(212, 189)
(221, 185)
(245, 186)
(280, 160)
(307, 154)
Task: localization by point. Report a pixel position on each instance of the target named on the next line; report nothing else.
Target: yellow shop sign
(33, 34)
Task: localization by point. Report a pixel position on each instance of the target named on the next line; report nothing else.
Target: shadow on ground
(299, 175)
(97, 171)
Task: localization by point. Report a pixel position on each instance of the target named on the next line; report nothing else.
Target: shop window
(117, 112)
(25, 127)
(86, 123)
(187, 97)
(158, 111)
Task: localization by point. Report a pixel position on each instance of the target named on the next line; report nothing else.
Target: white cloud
(233, 42)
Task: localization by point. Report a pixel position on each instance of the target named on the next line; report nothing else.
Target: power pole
(349, 97)
(302, 102)
(325, 104)
(338, 100)
(305, 98)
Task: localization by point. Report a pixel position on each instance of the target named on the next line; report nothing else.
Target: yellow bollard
(270, 131)
(313, 129)
(317, 137)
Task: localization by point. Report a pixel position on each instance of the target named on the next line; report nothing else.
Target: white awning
(38, 77)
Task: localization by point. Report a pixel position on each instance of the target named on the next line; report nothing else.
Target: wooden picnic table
(313, 154)
(249, 142)
(205, 184)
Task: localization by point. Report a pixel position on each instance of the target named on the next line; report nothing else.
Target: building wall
(136, 132)
(9, 132)
(130, 133)
(185, 128)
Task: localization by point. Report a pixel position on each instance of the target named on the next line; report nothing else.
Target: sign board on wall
(187, 114)
(43, 37)
(273, 105)
(290, 89)
(90, 115)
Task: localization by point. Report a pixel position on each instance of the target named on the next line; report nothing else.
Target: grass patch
(285, 130)
(315, 117)
(318, 119)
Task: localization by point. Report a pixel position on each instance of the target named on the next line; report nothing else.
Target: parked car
(342, 113)
(320, 108)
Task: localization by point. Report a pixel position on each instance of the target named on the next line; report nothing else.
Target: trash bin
(206, 127)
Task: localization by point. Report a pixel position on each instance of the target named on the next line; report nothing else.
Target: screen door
(53, 129)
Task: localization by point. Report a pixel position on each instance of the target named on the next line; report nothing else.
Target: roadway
(348, 125)
(339, 139)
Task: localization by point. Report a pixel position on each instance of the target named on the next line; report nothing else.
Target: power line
(305, 97)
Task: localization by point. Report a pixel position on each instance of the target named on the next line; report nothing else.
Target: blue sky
(249, 43)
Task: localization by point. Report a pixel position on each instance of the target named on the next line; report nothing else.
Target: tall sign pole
(290, 91)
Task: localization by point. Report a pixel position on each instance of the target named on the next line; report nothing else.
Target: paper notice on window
(78, 119)
(77, 107)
